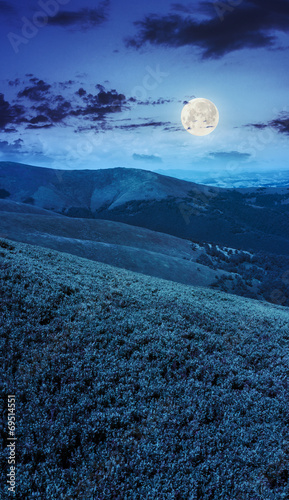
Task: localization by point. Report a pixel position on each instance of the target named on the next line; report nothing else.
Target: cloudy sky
(97, 84)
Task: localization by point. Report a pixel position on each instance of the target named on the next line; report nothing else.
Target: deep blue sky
(102, 84)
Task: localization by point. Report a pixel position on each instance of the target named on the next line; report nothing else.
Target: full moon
(200, 116)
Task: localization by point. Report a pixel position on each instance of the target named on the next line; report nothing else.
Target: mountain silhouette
(253, 219)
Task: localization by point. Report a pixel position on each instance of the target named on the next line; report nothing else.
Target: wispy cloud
(147, 158)
(14, 83)
(10, 113)
(83, 19)
(153, 124)
(280, 124)
(37, 91)
(230, 156)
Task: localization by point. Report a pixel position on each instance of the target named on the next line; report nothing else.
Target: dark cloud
(161, 101)
(280, 124)
(230, 156)
(37, 91)
(143, 125)
(150, 158)
(260, 126)
(10, 130)
(108, 98)
(39, 119)
(38, 105)
(99, 87)
(252, 24)
(101, 104)
(6, 114)
(173, 128)
(37, 127)
(14, 83)
(150, 102)
(55, 110)
(81, 92)
(88, 128)
(39, 122)
(83, 19)
(9, 113)
(66, 85)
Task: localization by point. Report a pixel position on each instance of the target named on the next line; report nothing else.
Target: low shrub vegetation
(130, 387)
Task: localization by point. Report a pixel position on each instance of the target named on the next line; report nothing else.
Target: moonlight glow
(200, 117)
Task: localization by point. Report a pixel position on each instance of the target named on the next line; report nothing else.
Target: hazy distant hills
(240, 177)
(249, 219)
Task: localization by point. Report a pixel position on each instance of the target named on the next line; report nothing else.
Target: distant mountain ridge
(238, 178)
(154, 225)
(58, 190)
(249, 219)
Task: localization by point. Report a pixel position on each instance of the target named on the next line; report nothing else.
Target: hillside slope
(134, 248)
(63, 190)
(24, 208)
(131, 387)
(242, 219)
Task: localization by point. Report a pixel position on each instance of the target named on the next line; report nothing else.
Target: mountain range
(255, 219)
(238, 177)
(233, 239)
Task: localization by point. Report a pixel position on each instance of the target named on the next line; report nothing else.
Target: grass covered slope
(132, 387)
(121, 245)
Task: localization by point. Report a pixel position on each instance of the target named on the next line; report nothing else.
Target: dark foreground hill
(130, 387)
(254, 219)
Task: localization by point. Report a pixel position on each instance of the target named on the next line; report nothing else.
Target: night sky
(102, 84)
